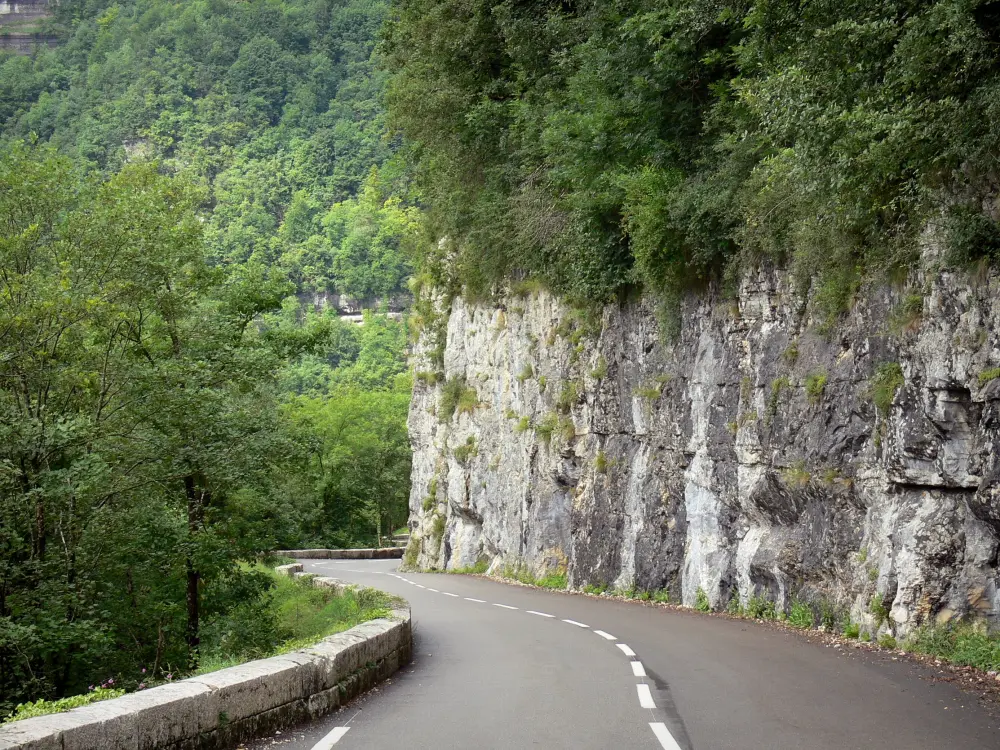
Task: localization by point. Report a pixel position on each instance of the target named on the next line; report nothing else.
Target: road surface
(499, 666)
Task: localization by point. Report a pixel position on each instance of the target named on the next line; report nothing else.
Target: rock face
(856, 469)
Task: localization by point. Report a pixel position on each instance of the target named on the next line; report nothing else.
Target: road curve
(498, 666)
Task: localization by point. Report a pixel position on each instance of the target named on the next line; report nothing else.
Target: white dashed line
(606, 636)
(434, 590)
(663, 735)
(454, 595)
(420, 587)
(505, 606)
(625, 649)
(637, 669)
(331, 739)
(578, 624)
(477, 601)
(645, 697)
(540, 614)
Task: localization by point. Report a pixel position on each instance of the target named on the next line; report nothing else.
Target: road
(499, 666)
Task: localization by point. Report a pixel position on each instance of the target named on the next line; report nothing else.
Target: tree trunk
(193, 576)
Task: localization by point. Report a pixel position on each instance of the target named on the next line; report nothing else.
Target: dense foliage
(273, 105)
(171, 405)
(597, 145)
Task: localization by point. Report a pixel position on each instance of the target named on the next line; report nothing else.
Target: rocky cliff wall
(855, 468)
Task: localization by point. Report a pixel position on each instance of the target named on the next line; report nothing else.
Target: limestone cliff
(856, 468)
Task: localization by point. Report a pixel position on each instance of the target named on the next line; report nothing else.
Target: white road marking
(331, 739)
(434, 590)
(663, 735)
(505, 606)
(540, 614)
(578, 624)
(420, 587)
(625, 649)
(637, 669)
(477, 601)
(454, 595)
(645, 697)
(606, 636)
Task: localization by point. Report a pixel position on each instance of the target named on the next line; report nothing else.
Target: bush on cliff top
(597, 145)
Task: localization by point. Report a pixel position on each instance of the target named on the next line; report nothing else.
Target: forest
(606, 147)
(179, 182)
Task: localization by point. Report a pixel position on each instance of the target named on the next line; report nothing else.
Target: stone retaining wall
(222, 709)
(386, 553)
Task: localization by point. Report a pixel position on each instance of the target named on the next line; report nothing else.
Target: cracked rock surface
(746, 458)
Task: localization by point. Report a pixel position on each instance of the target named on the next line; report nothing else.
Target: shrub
(545, 428)
(568, 396)
(887, 641)
(815, 384)
(701, 602)
(456, 396)
(595, 588)
(888, 379)
(801, 615)
(467, 450)
(761, 608)
(662, 596)
(527, 373)
(879, 610)
(600, 371)
(851, 629)
(777, 386)
(601, 463)
(523, 425)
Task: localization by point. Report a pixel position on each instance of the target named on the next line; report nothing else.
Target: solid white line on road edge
(420, 587)
(477, 601)
(625, 649)
(505, 606)
(637, 669)
(331, 739)
(645, 697)
(578, 624)
(434, 590)
(606, 636)
(454, 595)
(540, 614)
(663, 735)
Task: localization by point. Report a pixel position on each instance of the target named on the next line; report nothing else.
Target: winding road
(499, 666)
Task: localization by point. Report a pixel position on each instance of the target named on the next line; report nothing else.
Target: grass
(963, 645)
(478, 569)
(701, 602)
(987, 375)
(527, 373)
(523, 574)
(595, 588)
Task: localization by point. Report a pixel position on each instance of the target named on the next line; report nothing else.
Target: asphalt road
(491, 670)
